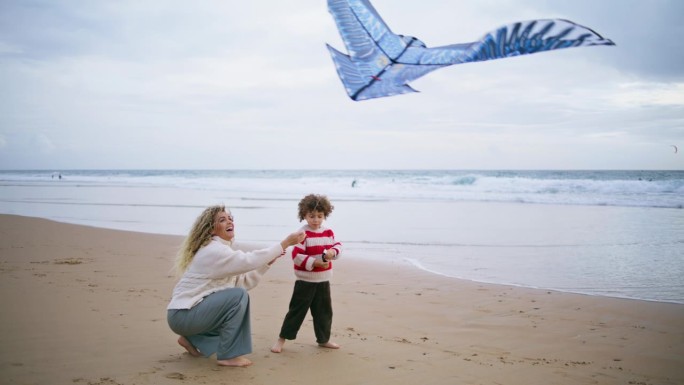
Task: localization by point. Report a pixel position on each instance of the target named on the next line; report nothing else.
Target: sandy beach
(84, 305)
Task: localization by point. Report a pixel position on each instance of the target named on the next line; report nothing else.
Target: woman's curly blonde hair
(200, 235)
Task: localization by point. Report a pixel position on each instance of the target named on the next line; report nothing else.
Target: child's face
(314, 219)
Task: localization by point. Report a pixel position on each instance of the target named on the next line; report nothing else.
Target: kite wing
(381, 63)
(371, 46)
(522, 38)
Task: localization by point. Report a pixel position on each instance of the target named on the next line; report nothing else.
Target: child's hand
(321, 264)
(330, 254)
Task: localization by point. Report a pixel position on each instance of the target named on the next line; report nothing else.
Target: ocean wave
(662, 189)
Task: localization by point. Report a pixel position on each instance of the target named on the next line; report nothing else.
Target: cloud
(635, 94)
(43, 143)
(132, 84)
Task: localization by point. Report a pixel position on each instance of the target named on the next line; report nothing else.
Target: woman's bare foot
(329, 345)
(182, 341)
(239, 362)
(278, 346)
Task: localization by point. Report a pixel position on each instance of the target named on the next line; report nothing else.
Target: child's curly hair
(314, 202)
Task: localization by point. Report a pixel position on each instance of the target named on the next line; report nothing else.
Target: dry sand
(87, 306)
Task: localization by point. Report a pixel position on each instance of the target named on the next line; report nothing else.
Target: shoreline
(87, 306)
(416, 264)
(409, 262)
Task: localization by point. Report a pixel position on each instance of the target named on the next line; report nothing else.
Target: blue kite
(381, 63)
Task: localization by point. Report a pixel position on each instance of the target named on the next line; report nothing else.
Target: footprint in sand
(69, 261)
(176, 376)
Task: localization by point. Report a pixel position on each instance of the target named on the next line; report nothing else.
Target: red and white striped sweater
(305, 253)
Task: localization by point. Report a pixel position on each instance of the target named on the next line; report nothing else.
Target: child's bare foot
(238, 362)
(278, 346)
(329, 345)
(182, 341)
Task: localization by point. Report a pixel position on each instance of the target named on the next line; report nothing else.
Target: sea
(605, 233)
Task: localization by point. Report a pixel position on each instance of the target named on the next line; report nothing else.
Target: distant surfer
(354, 183)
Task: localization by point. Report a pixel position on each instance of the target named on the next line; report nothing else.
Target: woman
(209, 308)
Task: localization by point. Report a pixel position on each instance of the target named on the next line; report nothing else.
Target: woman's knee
(240, 292)
(238, 296)
(244, 297)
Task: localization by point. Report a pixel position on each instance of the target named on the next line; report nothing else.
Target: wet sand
(84, 305)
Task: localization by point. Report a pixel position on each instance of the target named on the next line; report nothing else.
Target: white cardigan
(218, 266)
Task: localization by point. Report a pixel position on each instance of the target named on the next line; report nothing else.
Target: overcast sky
(250, 85)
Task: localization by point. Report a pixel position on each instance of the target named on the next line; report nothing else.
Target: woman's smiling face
(223, 226)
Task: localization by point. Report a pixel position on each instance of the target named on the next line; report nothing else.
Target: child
(313, 270)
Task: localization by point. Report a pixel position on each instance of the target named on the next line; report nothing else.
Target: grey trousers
(219, 324)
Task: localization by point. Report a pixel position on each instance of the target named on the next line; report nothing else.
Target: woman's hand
(293, 239)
